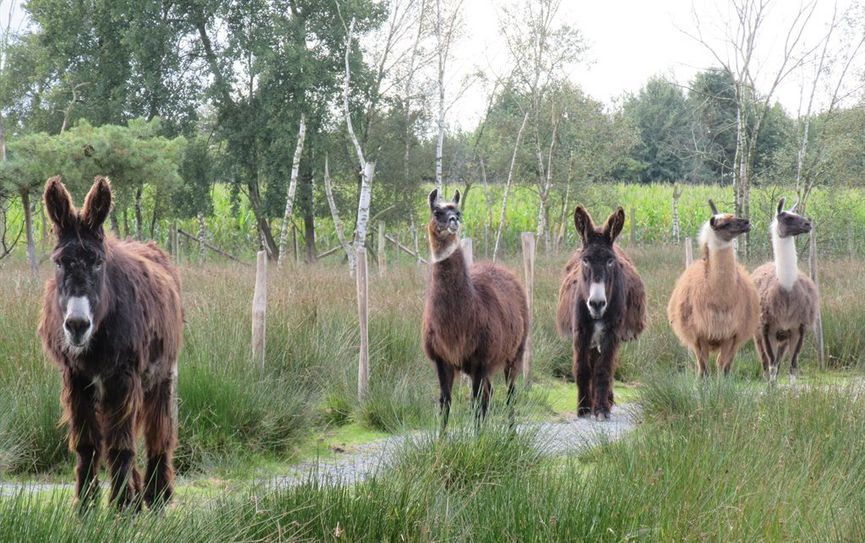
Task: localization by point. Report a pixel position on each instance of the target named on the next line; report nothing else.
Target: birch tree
(446, 29)
(292, 189)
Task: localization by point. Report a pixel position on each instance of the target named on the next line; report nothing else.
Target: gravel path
(570, 435)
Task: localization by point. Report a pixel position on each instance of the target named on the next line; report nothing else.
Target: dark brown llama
(476, 317)
(112, 322)
(602, 302)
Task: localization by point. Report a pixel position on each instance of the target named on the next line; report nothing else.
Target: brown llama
(714, 306)
(476, 317)
(602, 302)
(789, 300)
(112, 322)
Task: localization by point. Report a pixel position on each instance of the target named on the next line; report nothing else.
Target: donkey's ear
(433, 198)
(584, 223)
(615, 223)
(58, 204)
(97, 204)
(457, 197)
(780, 206)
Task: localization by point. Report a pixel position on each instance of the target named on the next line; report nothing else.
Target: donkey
(602, 302)
(112, 322)
(475, 318)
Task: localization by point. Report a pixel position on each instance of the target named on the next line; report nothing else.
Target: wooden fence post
(812, 260)
(259, 310)
(528, 239)
(468, 254)
(633, 227)
(382, 258)
(296, 244)
(689, 253)
(363, 318)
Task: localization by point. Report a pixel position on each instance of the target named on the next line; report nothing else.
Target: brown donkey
(475, 319)
(602, 302)
(112, 322)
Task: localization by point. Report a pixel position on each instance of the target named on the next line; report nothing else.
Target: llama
(112, 322)
(602, 302)
(714, 306)
(789, 300)
(475, 318)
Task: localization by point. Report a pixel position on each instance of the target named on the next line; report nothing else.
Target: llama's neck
(450, 276)
(786, 260)
(720, 258)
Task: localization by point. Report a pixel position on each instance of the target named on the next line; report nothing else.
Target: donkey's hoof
(602, 414)
(583, 412)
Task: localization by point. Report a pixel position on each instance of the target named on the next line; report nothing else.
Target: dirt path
(570, 435)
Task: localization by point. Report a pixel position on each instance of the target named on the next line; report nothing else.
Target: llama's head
(788, 224)
(79, 257)
(600, 267)
(445, 222)
(722, 228)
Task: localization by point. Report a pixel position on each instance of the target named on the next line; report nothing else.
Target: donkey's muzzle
(77, 329)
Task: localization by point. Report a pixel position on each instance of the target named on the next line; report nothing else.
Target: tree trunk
(126, 223)
(202, 238)
(139, 229)
(28, 228)
(309, 217)
(292, 188)
(337, 222)
(2, 139)
(363, 205)
(508, 186)
(115, 226)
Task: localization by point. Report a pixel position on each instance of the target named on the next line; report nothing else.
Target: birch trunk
(28, 230)
(337, 222)
(363, 205)
(292, 189)
(508, 186)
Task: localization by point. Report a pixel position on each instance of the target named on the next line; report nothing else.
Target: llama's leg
(121, 405)
(796, 340)
(602, 378)
(481, 391)
(761, 340)
(701, 351)
(160, 437)
(85, 439)
(772, 357)
(726, 355)
(583, 378)
(446, 380)
(511, 378)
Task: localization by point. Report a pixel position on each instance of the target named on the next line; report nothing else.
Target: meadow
(724, 460)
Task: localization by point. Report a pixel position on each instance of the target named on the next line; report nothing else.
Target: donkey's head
(726, 226)
(788, 224)
(601, 268)
(79, 256)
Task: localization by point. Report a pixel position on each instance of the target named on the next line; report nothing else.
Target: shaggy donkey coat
(602, 302)
(789, 300)
(112, 322)
(714, 306)
(475, 319)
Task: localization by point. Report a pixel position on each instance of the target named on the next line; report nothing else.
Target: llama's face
(445, 217)
(79, 258)
(788, 223)
(727, 227)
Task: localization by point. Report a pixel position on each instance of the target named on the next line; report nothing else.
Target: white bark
(508, 185)
(337, 222)
(292, 189)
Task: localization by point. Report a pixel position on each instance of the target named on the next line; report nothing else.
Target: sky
(630, 41)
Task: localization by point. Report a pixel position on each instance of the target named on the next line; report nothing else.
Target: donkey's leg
(583, 378)
(446, 380)
(602, 377)
(85, 439)
(160, 436)
(121, 407)
(796, 340)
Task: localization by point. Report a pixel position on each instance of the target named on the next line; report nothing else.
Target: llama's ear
(780, 206)
(433, 198)
(97, 204)
(713, 206)
(793, 209)
(614, 225)
(584, 223)
(58, 204)
(457, 197)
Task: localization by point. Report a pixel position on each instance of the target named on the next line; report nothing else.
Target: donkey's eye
(585, 262)
(610, 263)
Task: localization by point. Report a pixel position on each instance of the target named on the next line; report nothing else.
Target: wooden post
(468, 254)
(633, 227)
(259, 310)
(528, 239)
(382, 258)
(296, 243)
(689, 253)
(363, 318)
(812, 260)
(172, 241)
